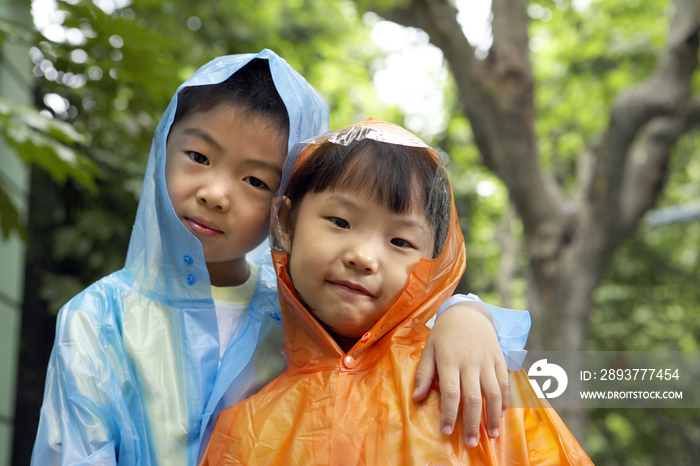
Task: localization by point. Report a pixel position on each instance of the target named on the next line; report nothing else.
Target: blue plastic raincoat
(134, 376)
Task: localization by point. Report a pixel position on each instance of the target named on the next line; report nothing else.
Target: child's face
(222, 172)
(350, 258)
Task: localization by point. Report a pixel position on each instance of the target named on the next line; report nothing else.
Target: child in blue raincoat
(145, 358)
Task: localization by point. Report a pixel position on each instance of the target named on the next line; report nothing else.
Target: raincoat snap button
(191, 279)
(349, 362)
(188, 259)
(365, 337)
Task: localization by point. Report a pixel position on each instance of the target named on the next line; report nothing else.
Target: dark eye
(198, 158)
(256, 182)
(402, 243)
(339, 222)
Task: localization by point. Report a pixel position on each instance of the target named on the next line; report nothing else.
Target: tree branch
(438, 18)
(647, 166)
(665, 92)
(496, 95)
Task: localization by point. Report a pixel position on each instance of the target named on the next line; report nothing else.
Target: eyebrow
(340, 199)
(404, 222)
(203, 135)
(411, 224)
(264, 165)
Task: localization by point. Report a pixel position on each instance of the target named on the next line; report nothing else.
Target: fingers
(449, 397)
(474, 388)
(471, 409)
(463, 348)
(425, 373)
(502, 374)
(494, 406)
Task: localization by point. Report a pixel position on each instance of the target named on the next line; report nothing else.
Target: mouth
(202, 228)
(352, 288)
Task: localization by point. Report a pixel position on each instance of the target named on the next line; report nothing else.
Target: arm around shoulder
(512, 327)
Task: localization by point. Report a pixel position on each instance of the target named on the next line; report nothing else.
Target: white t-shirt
(230, 303)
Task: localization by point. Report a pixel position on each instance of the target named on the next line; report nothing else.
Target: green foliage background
(120, 78)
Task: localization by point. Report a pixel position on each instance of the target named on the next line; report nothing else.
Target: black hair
(398, 177)
(251, 89)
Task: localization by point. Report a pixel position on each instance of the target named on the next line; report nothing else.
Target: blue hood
(165, 260)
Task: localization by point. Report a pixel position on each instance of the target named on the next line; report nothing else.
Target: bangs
(401, 178)
(397, 177)
(250, 89)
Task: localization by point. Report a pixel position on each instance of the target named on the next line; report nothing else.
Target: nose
(362, 256)
(215, 195)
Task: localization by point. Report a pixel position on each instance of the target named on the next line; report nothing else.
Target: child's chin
(342, 333)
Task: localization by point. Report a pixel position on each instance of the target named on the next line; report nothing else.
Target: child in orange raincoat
(367, 245)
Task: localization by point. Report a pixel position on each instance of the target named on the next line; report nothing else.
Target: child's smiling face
(351, 257)
(222, 171)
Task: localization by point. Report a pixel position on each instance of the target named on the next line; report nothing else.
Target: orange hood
(307, 343)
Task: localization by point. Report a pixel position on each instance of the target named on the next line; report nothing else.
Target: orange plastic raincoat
(333, 408)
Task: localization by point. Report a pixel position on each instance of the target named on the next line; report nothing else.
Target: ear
(284, 217)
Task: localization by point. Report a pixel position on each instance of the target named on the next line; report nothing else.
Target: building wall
(14, 83)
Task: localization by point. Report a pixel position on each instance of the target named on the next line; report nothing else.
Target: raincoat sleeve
(84, 415)
(512, 327)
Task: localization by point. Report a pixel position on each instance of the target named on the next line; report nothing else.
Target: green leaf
(47, 142)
